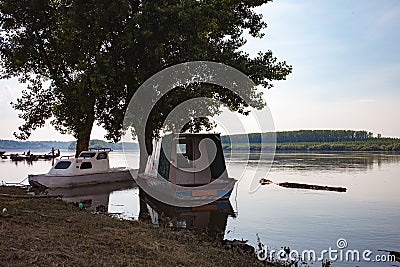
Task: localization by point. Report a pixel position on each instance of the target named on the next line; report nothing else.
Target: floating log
(396, 254)
(264, 181)
(312, 187)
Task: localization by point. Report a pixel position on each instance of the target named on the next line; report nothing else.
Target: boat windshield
(63, 165)
(87, 154)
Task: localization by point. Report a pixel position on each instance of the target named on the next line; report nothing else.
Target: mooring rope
(16, 184)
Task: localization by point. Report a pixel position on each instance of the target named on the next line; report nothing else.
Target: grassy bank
(47, 231)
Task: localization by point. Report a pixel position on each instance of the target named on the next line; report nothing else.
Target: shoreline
(38, 231)
(391, 146)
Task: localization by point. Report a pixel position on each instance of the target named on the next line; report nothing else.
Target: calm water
(367, 215)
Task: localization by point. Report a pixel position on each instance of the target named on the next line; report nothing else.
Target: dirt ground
(43, 231)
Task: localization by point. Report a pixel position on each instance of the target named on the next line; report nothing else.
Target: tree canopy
(83, 60)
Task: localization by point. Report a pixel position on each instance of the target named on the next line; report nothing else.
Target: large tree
(59, 48)
(97, 53)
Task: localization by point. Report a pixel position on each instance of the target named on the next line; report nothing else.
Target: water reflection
(94, 197)
(211, 218)
(321, 161)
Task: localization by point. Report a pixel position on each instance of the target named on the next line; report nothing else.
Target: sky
(346, 68)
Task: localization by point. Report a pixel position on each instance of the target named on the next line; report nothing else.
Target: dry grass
(47, 231)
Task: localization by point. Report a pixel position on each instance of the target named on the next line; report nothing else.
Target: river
(364, 218)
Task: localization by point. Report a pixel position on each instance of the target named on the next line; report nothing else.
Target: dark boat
(17, 157)
(186, 170)
(51, 155)
(2, 152)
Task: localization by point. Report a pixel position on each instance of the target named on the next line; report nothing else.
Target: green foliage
(58, 48)
(303, 136)
(95, 54)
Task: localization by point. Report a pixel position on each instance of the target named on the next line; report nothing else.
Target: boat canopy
(188, 159)
(91, 161)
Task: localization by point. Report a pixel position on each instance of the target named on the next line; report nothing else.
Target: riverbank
(46, 231)
(375, 145)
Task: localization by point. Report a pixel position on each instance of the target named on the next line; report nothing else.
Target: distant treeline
(328, 140)
(300, 136)
(36, 145)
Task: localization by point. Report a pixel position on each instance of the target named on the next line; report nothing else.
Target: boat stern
(35, 182)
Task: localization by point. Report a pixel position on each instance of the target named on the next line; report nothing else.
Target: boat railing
(100, 149)
(67, 157)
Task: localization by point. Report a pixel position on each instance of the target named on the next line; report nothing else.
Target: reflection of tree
(323, 161)
(211, 218)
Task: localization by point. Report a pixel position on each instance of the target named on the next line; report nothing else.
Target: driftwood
(313, 187)
(304, 186)
(396, 254)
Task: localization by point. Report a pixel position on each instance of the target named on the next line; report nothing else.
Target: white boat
(90, 167)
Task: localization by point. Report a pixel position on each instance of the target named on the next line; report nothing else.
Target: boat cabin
(187, 159)
(91, 161)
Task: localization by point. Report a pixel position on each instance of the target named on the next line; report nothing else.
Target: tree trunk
(85, 128)
(146, 149)
(82, 142)
(143, 211)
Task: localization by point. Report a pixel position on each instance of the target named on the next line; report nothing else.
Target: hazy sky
(346, 68)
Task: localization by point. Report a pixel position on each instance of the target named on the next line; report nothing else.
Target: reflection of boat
(211, 217)
(27, 157)
(187, 167)
(17, 157)
(97, 195)
(91, 167)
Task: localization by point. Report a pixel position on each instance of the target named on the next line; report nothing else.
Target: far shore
(346, 146)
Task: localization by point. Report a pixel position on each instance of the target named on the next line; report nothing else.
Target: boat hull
(57, 181)
(186, 195)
